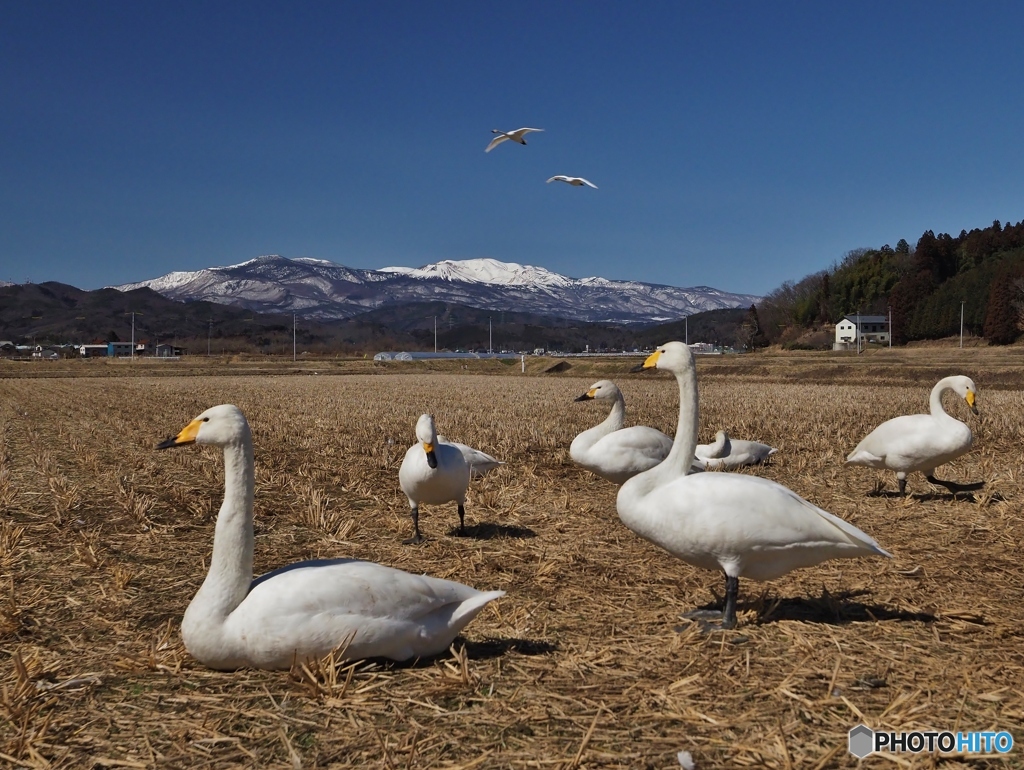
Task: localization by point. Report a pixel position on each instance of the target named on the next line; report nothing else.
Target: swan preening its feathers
(725, 453)
(744, 526)
(921, 442)
(503, 136)
(307, 609)
(434, 473)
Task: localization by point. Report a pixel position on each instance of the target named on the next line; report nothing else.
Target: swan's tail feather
(470, 608)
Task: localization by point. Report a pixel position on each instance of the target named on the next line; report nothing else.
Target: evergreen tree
(1001, 326)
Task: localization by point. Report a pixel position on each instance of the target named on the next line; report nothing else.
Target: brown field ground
(586, 662)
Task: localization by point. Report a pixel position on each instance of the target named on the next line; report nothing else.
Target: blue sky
(735, 144)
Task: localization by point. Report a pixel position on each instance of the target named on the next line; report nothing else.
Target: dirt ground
(586, 662)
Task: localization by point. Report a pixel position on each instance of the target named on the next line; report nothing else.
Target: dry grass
(584, 664)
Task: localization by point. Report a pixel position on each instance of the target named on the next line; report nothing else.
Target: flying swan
(307, 609)
(575, 181)
(515, 136)
(433, 473)
(744, 526)
(726, 453)
(611, 451)
(921, 442)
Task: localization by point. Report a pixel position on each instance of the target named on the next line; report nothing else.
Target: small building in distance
(45, 354)
(166, 350)
(92, 351)
(871, 329)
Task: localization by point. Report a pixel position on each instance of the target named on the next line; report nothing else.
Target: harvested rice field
(586, 662)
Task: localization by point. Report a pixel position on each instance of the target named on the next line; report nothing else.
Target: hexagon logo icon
(862, 741)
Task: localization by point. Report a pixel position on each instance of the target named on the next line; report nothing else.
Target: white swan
(433, 473)
(611, 451)
(575, 181)
(515, 136)
(921, 442)
(307, 609)
(728, 453)
(480, 463)
(743, 525)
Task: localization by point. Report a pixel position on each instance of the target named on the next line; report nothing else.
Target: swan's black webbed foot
(719, 620)
(416, 538)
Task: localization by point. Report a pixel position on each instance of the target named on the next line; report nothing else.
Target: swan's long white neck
(935, 400)
(230, 575)
(680, 459)
(616, 417)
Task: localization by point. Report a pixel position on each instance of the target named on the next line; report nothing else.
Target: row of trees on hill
(923, 287)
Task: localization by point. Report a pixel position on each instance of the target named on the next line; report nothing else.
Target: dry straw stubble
(584, 663)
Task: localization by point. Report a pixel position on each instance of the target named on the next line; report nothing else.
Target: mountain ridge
(324, 290)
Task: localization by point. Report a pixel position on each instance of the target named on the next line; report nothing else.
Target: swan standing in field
(433, 473)
(307, 609)
(744, 526)
(515, 136)
(575, 181)
(611, 451)
(922, 442)
(480, 463)
(728, 453)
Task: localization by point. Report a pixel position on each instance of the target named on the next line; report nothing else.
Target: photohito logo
(864, 741)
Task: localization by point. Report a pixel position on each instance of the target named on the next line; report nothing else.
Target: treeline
(923, 287)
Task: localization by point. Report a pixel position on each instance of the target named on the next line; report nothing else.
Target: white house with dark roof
(872, 329)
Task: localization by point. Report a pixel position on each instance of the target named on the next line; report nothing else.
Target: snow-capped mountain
(316, 288)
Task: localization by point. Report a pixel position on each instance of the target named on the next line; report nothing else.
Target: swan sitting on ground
(921, 442)
(575, 181)
(515, 136)
(726, 453)
(613, 452)
(480, 463)
(744, 526)
(433, 473)
(307, 609)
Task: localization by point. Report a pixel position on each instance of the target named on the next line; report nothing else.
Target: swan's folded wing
(353, 587)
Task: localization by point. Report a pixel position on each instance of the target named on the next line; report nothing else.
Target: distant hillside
(54, 313)
(924, 287)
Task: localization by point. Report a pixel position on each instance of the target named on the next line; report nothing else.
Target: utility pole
(961, 323)
(858, 332)
(435, 334)
(890, 326)
(209, 334)
(293, 336)
(490, 335)
(686, 326)
(133, 314)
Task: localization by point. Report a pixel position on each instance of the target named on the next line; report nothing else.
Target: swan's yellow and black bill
(649, 363)
(431, 456)
(970, 401)
(187, 436)
(586, 396)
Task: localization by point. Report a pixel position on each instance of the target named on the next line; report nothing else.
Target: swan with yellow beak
(433, 473)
